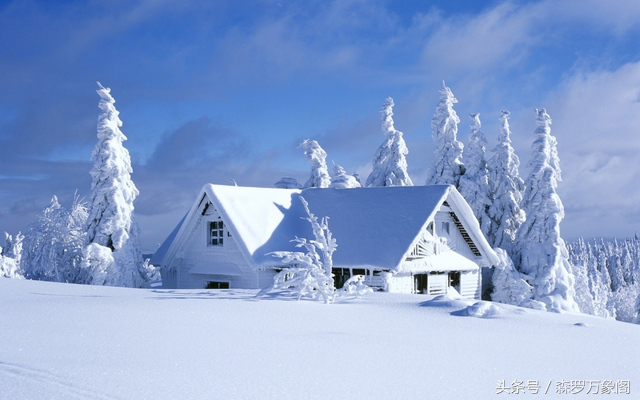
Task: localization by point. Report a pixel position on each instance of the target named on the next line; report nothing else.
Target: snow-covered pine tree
(341, 180)
(578, 256)
(474, 184)
(319, 171)
(541, 253)
(13, 246)
(506, 189)
(636, 320)
(602, 261)
(10, 256)
(447, 166)
(624, 287)
(111, 223)
(310, 273)
(599, 284)
(389, 162)
(53, 244)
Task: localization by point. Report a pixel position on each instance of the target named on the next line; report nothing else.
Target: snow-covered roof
(158, 256)
(374, 227)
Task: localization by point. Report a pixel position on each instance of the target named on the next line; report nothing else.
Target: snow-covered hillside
(73, 342)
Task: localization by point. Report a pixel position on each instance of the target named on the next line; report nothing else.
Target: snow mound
(483, 309)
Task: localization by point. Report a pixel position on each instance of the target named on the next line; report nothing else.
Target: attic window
(216, 233)
(444, 228)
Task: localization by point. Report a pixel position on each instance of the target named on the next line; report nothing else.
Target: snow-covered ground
(61, 341)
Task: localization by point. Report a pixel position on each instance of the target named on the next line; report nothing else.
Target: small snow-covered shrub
(309, 281)
(355, 286)
(341, 180)
(9, 268)
(509, 287)
(483, 309)
(52, 246)
(310, 273)
(287, 183)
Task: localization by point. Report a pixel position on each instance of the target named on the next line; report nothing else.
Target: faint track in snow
(39, 382)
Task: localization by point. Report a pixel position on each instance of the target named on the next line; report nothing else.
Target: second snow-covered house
(414, 239)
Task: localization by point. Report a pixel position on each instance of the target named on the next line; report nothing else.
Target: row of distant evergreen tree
(96, 243)
(607, 277)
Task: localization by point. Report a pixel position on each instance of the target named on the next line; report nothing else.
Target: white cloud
(596, 118)
(496, 37)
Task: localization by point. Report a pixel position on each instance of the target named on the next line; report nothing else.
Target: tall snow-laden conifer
(474, 184)
(389, 162)
(506, 190)
(447, 166)
(540, 251)
(319, 172)
(113, 251)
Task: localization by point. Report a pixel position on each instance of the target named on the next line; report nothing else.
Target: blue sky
(210, 91)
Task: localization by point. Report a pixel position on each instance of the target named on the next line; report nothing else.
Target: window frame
(219, 227)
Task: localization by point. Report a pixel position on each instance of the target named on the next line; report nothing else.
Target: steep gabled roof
(374, 227)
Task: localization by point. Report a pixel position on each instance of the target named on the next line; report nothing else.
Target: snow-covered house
(415, 239)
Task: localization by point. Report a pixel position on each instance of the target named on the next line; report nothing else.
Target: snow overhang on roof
(445, 261)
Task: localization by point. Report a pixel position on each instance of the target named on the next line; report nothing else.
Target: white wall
(400, 283)
(469, 284)
(196, 250)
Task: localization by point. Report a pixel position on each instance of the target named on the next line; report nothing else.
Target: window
(216, 233)
(216, 285)
(445, 228)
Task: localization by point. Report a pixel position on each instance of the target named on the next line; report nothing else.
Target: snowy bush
(319, 172)
(341, 180)
(389, 162)
(10, 257)
(52, 247)
(355, 286)
(509, 287)
(309, 274)
(13, 246)
(287, 183)
(483, 309)
(98, 261)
